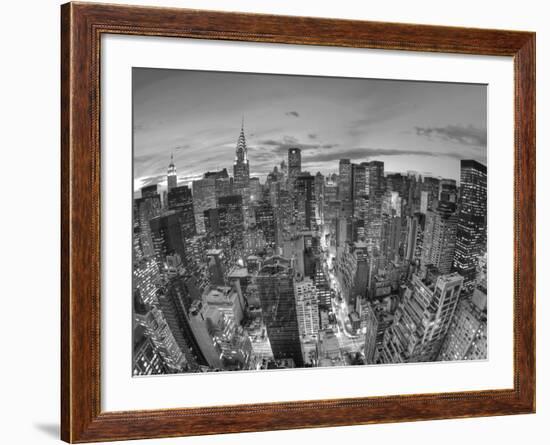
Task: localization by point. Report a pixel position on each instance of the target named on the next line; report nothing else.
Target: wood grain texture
(81, 28)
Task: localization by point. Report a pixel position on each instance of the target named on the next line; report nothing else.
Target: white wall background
(29, 223)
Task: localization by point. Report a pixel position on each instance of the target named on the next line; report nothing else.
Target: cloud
(292, 113)
(362, 153)
(266, 148)
(312, 136)
(470, 135)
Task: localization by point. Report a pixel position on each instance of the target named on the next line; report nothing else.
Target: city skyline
(237, 271)
(407, 124)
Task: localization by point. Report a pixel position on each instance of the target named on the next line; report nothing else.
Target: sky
(425, 127)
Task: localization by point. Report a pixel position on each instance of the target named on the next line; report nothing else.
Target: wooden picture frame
(82, 25)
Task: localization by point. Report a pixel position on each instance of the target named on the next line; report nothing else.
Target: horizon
(425, 127)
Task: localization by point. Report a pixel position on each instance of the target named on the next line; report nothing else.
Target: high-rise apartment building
(180, 199)
(422, 320)
(167, 237)
(275, 282)
(344, 180)
(307, 308)
(467, 336)
(294, 166)
(472, 225)
(439, 241)
(204, 198)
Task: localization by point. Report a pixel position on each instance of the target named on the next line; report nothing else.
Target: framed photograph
(274, 222)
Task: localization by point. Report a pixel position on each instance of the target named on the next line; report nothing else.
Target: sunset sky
(422, 126)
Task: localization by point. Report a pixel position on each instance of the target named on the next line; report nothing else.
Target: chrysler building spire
(241, 170)
(241, 153)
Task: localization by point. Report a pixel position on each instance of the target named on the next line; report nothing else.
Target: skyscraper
(307, 308)
(180, 199)
(275, 282)
(233, 206)
(294, 166)
(167, 237)
(172, 175)
(344, 180)
(472, 224)
(422, 320)
(304, 201)
(467, 336)
(204, 198)
(439, 241)
(146, 208)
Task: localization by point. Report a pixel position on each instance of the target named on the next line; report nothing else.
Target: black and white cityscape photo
(285, 221)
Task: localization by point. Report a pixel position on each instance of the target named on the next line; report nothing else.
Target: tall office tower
(375, 180)
(447, 190)
(422, 320)
(431, 185)
(175, 301)
(369, 327)
(167, 237)
(204, 198)
(318, 193)
(233, 206)
(331, 191)
(472, 222)
(415, 237)
(424, 201)
(307, 308)
(391, 238)
(199, 321)
(215, 222)
(293, 250)
(353, 271)
(294, 167)
(241, 168)
(255, 189)
(216, 268)
(224, 187)
(146, 208)
(156, 328)
(180, 200)
(359, 190)
(265, 220)
(171, 175)
(467, 336)
(146, 357)
(324, 292)
(374, 173)
(275, 282)
(440, 237)
(395, 182)
(195, 249)
(304, 201)
(284, 170)
(145, 278)
(274, 191)
(286, 212)
(344, 180)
